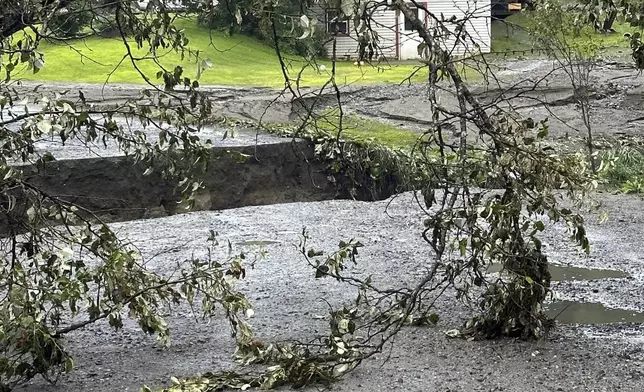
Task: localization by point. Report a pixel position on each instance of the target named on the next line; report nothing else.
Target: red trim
(397, 35)
(426, 13)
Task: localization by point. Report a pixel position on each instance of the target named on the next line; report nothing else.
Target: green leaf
(321, 271)
(69, 364)
(347, 7)
(304, 21)
(44, 126)
(38, 65)
(462, 246)
(31, 213)
(539, 225)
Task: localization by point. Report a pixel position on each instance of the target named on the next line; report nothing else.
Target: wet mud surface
(532, 88)
(586, 357)
(288, 304)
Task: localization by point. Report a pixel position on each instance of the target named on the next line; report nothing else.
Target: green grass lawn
(365, 131)
(237, 60)
(510, 35)
(244, 61)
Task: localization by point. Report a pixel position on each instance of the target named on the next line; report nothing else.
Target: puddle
(565, 273)
(256, 243)
(568, 312)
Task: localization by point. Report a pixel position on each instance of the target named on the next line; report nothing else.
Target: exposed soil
(115, 188)
(287, 301)
(287, 298)
(532, 88)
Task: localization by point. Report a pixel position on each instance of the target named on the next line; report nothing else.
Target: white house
(399, 41)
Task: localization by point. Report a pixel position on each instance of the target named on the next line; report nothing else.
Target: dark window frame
(407, 25)
(331, 24)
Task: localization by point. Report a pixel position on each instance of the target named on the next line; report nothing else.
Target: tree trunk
(608, 22)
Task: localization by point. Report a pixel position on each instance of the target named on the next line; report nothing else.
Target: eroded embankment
(116, 189)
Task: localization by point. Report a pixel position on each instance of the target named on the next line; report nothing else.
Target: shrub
(220, 17)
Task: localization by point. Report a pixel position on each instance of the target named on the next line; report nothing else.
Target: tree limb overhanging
(485, 178)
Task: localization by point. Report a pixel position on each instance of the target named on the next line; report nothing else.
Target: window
(408, 24)
(335, 24)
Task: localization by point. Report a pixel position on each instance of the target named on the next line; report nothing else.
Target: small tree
(575, 52)
(602, 14)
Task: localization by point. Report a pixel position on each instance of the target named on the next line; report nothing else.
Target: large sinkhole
(275, 170)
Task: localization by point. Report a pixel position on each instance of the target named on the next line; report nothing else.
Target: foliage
(468, 224)
(487, 227)
(484, 177)
(71, 23)
(511, 36)
(623, 168)
(557, 32)
(603, 14)
(284, 15)
(296, 364)
(63, 269)
(551, 28)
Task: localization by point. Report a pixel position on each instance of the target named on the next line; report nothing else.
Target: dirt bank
(116, 189)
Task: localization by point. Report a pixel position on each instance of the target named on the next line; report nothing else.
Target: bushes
(221, 17)
(71, 21)
(624, 169)
(84, 16)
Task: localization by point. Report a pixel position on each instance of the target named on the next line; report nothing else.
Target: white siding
(478, 15)
(346, 46)
(384, 22)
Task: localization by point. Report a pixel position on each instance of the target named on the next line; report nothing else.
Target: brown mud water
(569, 312)
(561, 273)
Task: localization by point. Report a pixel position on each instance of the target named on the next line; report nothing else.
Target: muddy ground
(287, 298)
(288, 304)
(532, 88)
